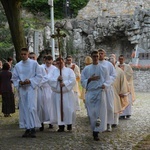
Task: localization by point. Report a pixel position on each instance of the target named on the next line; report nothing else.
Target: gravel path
(124, 137)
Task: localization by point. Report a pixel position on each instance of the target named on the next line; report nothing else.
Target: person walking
(26, 77)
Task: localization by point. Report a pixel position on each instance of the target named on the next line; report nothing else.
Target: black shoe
(26, 134)
(69, 127)
(96, 138)
(95, 135)
(122, 117)
(42, 127)
(61, 128)
(50, 126)
(33, 133)
(5, 115)
(128, 116)
(114, 125)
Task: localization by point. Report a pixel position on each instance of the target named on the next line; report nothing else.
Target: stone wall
(96, 8)
(142, 80)
(126, 28)
(115, 34)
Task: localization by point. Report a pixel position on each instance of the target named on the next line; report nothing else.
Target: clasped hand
(27, 81)
(94, 77)
(60, 79)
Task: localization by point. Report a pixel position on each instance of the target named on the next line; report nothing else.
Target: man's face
(24, 55)
(101, 55)
(48, 62)
(68, 61)
(60, 64)
(32, 56)
(121, 60)
(95, 58)
(10, 62)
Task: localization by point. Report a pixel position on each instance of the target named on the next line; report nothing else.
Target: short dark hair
(32, 53)
(121, 56)
(49, 57)
(44, 57)
(94, 52)
(59, 58)
(6, 66)
(24, 49)
(68, 56)
(9, 59)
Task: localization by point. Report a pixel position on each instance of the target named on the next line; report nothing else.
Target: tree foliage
(13, 13)
(37, 6)
(6, 44)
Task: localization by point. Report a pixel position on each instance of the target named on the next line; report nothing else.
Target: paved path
(128, 133)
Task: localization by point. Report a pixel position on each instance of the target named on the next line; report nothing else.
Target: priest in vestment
(95, 79)
(66, 81)
(26, 76)
(120, 92)
(129, 76)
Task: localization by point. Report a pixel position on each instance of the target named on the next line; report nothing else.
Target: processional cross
(59, 35)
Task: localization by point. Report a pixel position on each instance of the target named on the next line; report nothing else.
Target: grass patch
(144, 144)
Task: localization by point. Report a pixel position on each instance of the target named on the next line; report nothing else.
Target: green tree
(38, 6)
(12, 10)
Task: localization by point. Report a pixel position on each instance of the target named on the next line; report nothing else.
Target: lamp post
(50, 3)
(67, 8)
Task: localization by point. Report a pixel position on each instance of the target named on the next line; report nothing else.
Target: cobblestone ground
(124, 137)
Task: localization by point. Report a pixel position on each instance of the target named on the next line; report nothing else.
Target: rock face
(120, 34)
(118, 26)
(96, 8)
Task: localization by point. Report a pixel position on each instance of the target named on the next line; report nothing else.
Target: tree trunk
(12, 11)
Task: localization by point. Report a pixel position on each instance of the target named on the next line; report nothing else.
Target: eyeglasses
(31, 57)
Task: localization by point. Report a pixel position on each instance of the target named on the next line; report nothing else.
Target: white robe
(50, 69)
(109, 92)
(76, 70)
(28, 69)
(95, 98)
(44, 96)
(47, 103)
(69, 111)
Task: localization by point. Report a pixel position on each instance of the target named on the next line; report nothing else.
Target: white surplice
(23, 70)
(109, 92)
(76, 70)
(47, 103)
(69, 111)
(95, 98)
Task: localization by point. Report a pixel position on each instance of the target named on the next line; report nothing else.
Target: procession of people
(50, 93)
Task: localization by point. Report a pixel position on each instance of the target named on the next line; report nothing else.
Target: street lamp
(50, 3)
(67, 8)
